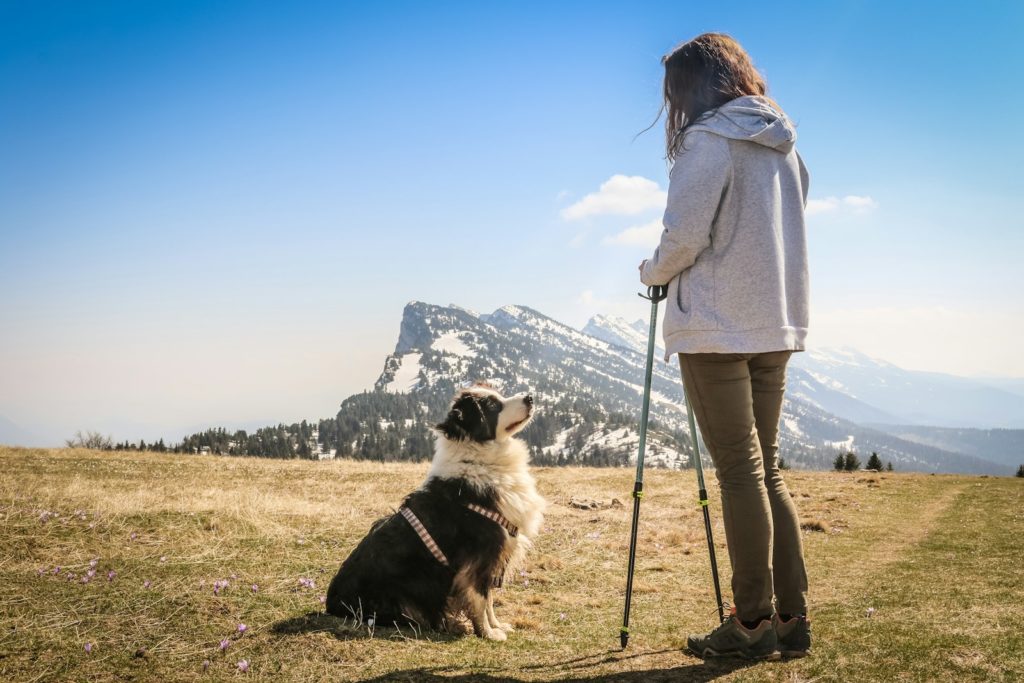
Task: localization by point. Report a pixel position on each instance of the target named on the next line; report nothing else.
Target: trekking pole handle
(655, 293)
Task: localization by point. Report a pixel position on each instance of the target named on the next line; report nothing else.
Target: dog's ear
(452, 427)
(475, 421)
(467, 420)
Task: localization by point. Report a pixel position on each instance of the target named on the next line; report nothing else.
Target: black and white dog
(454, 538)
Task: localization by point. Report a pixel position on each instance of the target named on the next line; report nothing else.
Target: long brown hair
(700, 76)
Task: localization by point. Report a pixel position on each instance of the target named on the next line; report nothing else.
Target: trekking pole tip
(624, 638)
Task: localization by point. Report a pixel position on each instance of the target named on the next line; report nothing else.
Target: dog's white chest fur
(502, 466)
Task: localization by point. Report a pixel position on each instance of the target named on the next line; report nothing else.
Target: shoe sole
(711, 653)
(795, 654)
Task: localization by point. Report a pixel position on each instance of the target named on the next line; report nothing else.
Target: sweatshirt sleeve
(697, 181)
(805, 177)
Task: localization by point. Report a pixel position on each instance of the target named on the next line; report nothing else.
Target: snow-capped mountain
(617, 331)
(865, 389)
(588, 386)
(588, 391)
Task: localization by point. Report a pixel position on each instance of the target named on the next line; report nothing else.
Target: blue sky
(215, 212)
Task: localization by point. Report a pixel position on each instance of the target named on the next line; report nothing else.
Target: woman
(733, 254)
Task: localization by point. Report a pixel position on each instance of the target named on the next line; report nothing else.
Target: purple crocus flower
(163, 558)
(132, 536)
(242, 628)
(88, 648)
(255, 588)
(56, 570)
(206, 664)
(94, 561)
(224, 644)
(147, 583)
(243, 665)
(111, 574)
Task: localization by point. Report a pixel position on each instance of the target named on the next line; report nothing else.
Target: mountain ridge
(587, 388)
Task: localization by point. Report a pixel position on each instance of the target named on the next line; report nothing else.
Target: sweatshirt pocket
(683, 299)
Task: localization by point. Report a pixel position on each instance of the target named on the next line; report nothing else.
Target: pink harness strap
(424, 535)
(432, 546)
(496, 517)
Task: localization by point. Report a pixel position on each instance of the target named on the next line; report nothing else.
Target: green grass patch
(913, 577)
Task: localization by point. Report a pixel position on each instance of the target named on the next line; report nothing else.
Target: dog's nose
(528, 400)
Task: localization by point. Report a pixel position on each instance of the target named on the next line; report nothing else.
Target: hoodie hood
(751, 118)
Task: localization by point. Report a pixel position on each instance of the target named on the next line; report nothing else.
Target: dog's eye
(494, 405)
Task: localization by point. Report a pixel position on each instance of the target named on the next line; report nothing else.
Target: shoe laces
(729, 611)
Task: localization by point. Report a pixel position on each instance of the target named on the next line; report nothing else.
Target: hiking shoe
(732, 639)
(794, 636)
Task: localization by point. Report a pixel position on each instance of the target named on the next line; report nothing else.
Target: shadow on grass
(347, 629)
(570, 670)
(695, 672)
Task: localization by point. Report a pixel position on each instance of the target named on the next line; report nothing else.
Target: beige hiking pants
(737, 400)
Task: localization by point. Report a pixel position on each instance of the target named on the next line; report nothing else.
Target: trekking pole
(655, 293)
(703, 495)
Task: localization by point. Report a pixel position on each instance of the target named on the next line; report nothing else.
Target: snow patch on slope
(452, 343)
(408, 374)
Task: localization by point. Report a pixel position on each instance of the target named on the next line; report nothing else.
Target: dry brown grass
(893, 544)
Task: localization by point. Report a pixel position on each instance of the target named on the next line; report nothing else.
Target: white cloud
(646, 235)
(619, 195)
(851, 203)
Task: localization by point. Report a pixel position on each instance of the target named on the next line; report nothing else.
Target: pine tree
(839, 464)
(874, 462)
(783, 465)
(888, 466)
(1020, 471)
(851, 462)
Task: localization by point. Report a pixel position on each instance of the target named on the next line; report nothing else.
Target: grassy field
(913, 577)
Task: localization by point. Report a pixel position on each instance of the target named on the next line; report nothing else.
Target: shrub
(90, 440)
(839, 464)
(874, 462)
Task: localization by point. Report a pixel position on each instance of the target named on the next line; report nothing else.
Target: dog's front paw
(495, 634)
(507, 628)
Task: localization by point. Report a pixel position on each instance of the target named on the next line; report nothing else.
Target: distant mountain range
(590, 381)
(864, 389)
(14, 435)
(588, 385)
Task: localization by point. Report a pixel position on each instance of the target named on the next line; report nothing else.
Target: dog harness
(496, 517)
(424, 535)
(436, 551)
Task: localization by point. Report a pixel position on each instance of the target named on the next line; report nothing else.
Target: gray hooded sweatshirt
(734, 249)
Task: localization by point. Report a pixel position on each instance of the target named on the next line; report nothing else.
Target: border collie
(454, 539)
